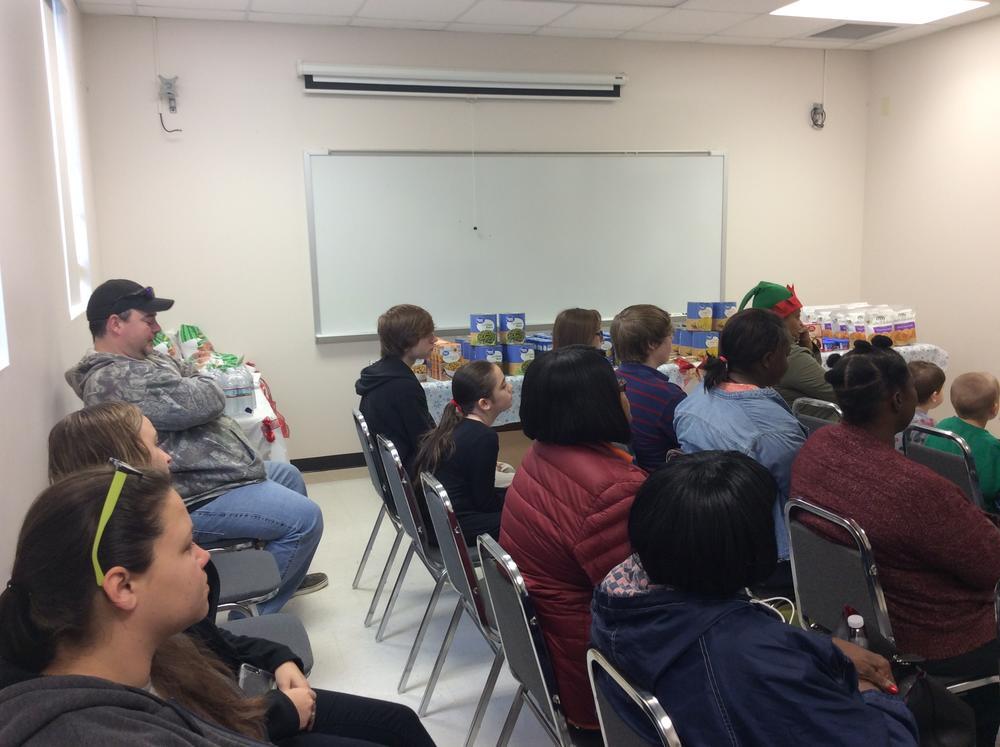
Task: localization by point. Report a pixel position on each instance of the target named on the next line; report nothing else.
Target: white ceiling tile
(307, 7)
(971, 16)
(389, 23)
(780, 27)
(745, 40)
(663, 36)
(815, 43)
(515, 12)
(104, 9)
(579, 33)
(192, 13)
(736, 6)
(492, 28)
(608, 17)
(200, 5)
(299, 18)
(425, 10)
(682, 21)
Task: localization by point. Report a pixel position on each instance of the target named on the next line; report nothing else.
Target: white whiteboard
(476, 233)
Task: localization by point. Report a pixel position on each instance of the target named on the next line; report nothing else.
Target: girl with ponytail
(461, 452)
(737, 409)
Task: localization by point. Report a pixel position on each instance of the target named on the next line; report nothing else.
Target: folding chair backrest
(959, 468)
(375, 469)
(615, 729)
(454, 551)
(521, 635)
(402, 493)
(814, 414)
(829, 575)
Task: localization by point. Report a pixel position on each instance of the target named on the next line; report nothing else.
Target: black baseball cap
(115, 296)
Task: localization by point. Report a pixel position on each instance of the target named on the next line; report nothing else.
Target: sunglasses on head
(122, 470)
(146, 294)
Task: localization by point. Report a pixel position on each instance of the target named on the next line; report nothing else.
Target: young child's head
(928, 378)
(976, 396)
(406, 329)
(641, 333)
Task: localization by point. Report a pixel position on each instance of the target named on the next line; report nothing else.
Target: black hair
(747, 337)
(866, 376)
(50, 595)
(703, 523)
(570, 396)
(471, 383)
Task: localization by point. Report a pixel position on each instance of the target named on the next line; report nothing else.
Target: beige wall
(932, 211)
(43, 340)
(215, 216)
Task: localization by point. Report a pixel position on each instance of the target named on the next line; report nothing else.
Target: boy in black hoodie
(392, 400)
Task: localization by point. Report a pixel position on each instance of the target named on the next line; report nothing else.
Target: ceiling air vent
(853, 31)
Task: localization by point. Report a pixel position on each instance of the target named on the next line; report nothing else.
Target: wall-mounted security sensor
(168, 91)
(818, 116)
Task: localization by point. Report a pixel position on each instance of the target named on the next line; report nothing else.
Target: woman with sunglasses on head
(461, 452)
(293, 713)
(565, 515)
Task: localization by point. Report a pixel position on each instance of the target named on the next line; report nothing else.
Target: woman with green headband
(804, 377)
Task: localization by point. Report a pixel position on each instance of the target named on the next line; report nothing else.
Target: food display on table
(836, 327)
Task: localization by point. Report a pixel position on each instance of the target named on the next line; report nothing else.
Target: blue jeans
(276, 511)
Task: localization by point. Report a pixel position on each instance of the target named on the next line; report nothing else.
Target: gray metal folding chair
(462, 577)
(413, 524)
(958, 468)
(246, 578)
(614, 728)
(814, 414)
(281, 628)
(377, 474)
(829, 575)
(523, 644)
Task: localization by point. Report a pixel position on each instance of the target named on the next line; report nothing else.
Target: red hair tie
(457, 407)
(723, 359)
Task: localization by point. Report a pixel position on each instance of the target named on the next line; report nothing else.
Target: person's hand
(289, 676)
(304, 700)
(873, 670)
(201, 357)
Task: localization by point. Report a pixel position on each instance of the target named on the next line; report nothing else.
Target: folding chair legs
(395, 592)
(368, 548)
(484, 699)
(511, 720)
(439, 662)
(421, 632)
(384, 577)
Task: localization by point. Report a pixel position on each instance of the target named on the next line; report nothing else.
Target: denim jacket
(755, 422)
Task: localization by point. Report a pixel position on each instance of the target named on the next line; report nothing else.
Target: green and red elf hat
(780, 299)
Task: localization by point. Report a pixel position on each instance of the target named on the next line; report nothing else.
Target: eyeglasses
(122, 470)
(622, 385)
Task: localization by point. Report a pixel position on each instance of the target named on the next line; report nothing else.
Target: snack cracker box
(517, 358)
(512, 328)
(419, 369)
(676, 342)
(721, 311)
(483, 329)
(606, 345)
(699, 315)
(446, 358)
(491, 353)
(684, 342)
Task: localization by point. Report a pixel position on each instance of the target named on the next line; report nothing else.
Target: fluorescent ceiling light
(879, 11)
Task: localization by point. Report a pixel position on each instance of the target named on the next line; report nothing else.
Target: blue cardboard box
(491, 353)
(517, 358)
(512, 328)
(483, 329)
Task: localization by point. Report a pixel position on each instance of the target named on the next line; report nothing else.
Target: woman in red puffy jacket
(565, 519)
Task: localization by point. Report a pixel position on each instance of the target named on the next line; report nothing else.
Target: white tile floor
(346, 653)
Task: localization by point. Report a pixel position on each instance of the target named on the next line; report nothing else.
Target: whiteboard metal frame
(311, 214)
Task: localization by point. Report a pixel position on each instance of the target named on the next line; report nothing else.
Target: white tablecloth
(252, 425)
(439, 393)
(921, 351)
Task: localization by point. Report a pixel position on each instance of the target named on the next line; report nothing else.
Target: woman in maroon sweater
(938, 555)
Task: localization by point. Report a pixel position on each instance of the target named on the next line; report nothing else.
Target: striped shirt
(652, 399)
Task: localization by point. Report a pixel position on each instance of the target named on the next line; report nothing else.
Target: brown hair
(636, 330)
(973, 395)
(51, 594)
(471, 383)
(402, 327)
(928, 378)
(93, 435)
(576, 327)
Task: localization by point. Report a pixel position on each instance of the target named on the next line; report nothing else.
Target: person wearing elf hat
(804, 377)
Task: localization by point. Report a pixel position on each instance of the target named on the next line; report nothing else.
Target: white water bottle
(856, 631)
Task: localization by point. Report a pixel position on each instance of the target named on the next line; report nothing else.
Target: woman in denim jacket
(737, 409)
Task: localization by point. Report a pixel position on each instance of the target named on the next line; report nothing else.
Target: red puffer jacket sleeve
(565, 524)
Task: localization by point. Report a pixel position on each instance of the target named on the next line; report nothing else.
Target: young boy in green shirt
(976, 399)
